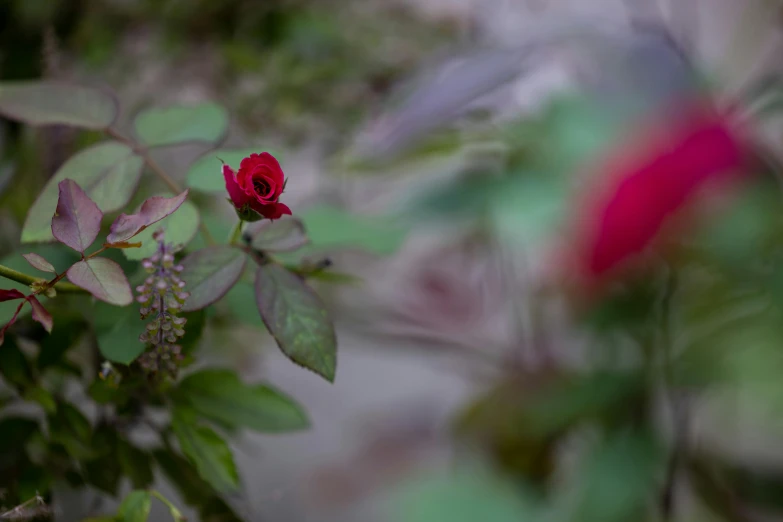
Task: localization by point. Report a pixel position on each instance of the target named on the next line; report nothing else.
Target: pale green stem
(236, 233)
(20, 277)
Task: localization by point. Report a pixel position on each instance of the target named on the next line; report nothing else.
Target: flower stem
(19, 277)
(236, 233)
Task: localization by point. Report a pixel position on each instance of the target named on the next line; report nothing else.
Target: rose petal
(235, 192)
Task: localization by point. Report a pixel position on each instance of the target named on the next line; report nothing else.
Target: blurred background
(436, 150)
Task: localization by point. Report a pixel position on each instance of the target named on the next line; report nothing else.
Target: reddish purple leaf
(39, 262)
(103, 278)
(152, 210)
(77, 220)
(41, 314)
(12, 321)
(10, 295)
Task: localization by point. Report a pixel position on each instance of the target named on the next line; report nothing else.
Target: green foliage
(219, 396)
(172, 125)
(297, 319)
(208, 452)
(210, 273)
(136, 507)
(180, 228)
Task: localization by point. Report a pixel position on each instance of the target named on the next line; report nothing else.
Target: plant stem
(19, 277)
(175, 513)
(158, 170)
(236, 233)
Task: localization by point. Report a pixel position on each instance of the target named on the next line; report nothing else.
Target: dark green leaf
(281, 235)
(194, 329)
(135, 507)
(103, 278)
(156, 127)
(48, 103)
(71, 429)
(208, 452)
(107, 172)
(220, 396)
(297, 319)
(136, 464)
(210, 273)
(14, 434)
(14, 366)
(42, 397)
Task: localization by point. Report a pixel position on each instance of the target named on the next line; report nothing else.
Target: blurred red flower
(649, 181)
(257, 186)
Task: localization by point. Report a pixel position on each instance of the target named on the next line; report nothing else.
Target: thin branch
(158, 170)
(19, 277)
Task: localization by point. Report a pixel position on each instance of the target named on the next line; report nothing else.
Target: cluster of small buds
(162, 296)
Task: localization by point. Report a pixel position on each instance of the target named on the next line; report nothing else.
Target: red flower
(652, 183)
(257, 186)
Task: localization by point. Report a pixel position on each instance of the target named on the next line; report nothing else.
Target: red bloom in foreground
(257, 186)
(649, 185)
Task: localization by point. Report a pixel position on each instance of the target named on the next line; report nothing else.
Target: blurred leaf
(149, 212)
(205, 174)
(108, 172)
(195, 491)
(220, 396)
(136, 464)
(38, 262)
(297, 319)
(194, 329)
(77, 219)
(329, 227)
(135, 507)
(71, 429)
(47, 103)
(103, 470)
(615, 482)
(54, 346)
(281, 235)
(14, 366)
(462, 497)
(118, 331)
(42, 397)
(180, 227)
(208, 452)
(103, 278)
(14, 434)
(210, 273)
(156, 127)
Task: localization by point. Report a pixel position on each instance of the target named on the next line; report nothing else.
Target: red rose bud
(652, 180)
(256, 188)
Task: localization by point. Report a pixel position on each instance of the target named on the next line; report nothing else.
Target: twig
(19, 277)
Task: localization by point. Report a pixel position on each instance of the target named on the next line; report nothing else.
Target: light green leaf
(118, 330)
(108, 173)
(220, 396)
(180, 227)
(48, 103)
(208, 452)
(462, 497)
(206, 172)
(135, 507)
(330, 227)
(297, 319)
(157, 127)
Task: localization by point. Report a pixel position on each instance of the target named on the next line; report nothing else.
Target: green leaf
(297, 319)
(14, 366)
(220, 396)
(180, 227)
(108, 173)
(135, 507)
(206, 175)
(42, 397)
(48, 103)
(71, 429)
(157, 127)
(210, 273)
(462, 497)
(330, 227)
(208, 452)
(103, 278)
(281, 235)
(118, 331)
(136, 464)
